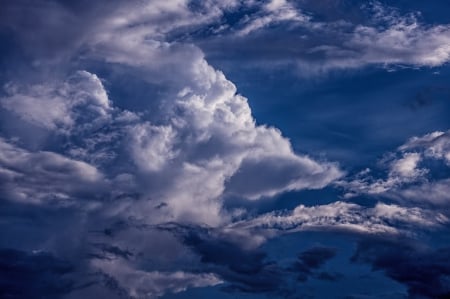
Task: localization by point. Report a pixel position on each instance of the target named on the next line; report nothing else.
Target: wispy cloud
(411, 171)
(341, 216)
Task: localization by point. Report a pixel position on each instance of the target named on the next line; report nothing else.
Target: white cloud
(435, 145)
(197, 143)
(272, 12)
(205, 137)
(411, 44)
(158, 19)
(153, 284)
(405, 180)
(342, 216)
(58, 106)
(392, 39)
(407, 165)
(385, 38)
(389, 41)
(402, 171)
(437, 193)
(151, 146)
(213, 140)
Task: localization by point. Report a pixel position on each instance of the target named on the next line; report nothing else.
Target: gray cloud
(424, 271)
(38, 177)
(312, 259)
(151, 284)
(24, 275)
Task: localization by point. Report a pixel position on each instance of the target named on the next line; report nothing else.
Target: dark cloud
(107, 251)
(245, 270)
(312, 259)
(34, 275)
(425, 271)
(315, 257)
(51, 31)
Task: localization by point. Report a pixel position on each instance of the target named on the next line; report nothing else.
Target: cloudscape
(224, 149)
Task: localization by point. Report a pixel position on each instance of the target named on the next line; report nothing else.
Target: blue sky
(227, 149)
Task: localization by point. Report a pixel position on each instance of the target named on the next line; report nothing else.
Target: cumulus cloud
(197, 146)
(80, 101)
(176, 158)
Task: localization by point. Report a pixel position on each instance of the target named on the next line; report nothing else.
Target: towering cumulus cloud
(174, 159)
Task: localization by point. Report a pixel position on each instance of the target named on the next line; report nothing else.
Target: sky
(224, 149)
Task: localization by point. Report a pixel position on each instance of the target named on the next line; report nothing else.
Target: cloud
(312, 259)
(135, 283)
(322, 40)
(187, 152)
(112, 166)
(434, 145)
(272, 12)
(434, 193)
(347, 217)
(312, 38)
(40, 177)
(24, 275)
(406, 166)
(403, 40)
(80, 101)
(118, 173)
(402, 171)
(244, 268)
(255, 179)
(426, 272)
(414, 177)
(208, 131)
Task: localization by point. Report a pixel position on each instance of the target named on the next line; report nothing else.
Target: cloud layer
(130, 167)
